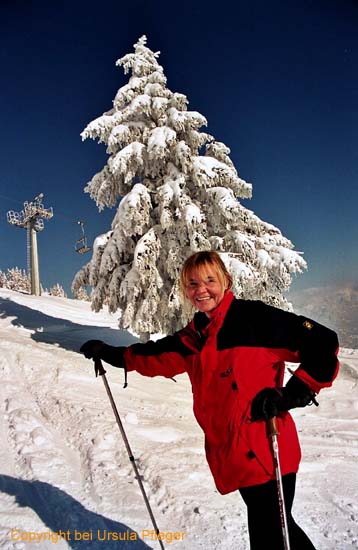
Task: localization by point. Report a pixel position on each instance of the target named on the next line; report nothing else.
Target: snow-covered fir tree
(81, 294)
(57, 290)
(178, 193)
(2, 279)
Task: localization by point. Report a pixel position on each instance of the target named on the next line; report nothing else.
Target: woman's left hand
(269, 402)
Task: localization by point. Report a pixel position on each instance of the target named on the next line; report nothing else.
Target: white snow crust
(64, 466)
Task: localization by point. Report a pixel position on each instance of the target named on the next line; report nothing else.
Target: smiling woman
(233, 351)
(204, 280)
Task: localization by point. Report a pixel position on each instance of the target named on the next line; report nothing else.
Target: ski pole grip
(98, 367)
(271, 425)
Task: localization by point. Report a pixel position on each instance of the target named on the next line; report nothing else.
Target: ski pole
(272, 433)
(99, 368)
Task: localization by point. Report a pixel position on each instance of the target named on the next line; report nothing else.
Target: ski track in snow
(64, 466)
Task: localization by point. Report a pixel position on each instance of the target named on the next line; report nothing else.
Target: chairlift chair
(81, 245)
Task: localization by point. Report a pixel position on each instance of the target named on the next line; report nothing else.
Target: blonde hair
(201, 261)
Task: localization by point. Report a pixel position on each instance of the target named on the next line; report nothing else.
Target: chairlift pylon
(81, 245)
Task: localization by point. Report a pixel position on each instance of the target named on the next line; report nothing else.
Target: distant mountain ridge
(335, 307)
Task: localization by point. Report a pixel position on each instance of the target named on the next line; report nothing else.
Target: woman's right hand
(92, 349)
(96, 349)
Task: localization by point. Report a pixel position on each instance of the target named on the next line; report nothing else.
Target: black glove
(269, 402)
(96, 349)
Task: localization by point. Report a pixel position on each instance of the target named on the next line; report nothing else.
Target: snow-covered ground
(64, 468)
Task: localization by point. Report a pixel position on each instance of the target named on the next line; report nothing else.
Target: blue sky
(277, 82)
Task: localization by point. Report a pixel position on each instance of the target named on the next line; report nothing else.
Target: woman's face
(205, 289)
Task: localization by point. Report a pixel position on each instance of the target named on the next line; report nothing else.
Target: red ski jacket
(229, 358)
